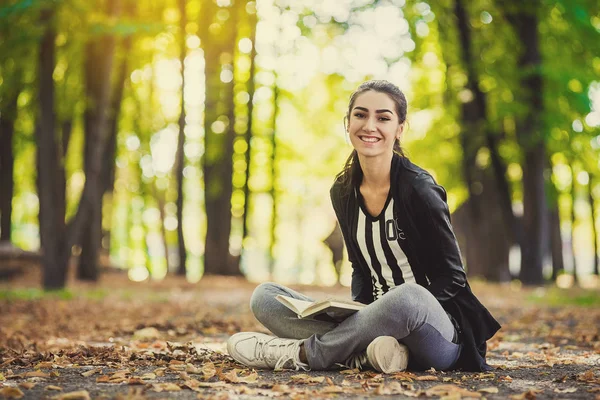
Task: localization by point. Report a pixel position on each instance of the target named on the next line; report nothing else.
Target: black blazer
(421, 212)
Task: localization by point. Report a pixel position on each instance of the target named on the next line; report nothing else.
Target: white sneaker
(384, 354)
(257, 350)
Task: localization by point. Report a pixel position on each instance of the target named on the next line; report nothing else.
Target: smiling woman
(406, 267)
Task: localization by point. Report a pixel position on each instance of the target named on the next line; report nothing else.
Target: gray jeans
(408, 312)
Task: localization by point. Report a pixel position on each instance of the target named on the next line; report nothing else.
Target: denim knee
(408, 300)
(261, 296)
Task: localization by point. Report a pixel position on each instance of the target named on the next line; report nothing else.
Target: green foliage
(35, 294)
(316, 58)
(557, 297)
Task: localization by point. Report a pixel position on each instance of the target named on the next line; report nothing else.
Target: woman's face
(373, 124)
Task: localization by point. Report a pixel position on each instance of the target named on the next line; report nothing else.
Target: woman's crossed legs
(409, 313)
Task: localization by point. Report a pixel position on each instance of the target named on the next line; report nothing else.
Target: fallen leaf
(450, 390)
(350, 371)
(332, 389)
(165, 387)
(78, 395)
(528, 395)
(27, 385)
(53, 387)
(281, 388)
(565, 390)
(491, 389)
(160, 371)
(427, 378)
(192, 384)
(148, 375)
(11, 392)
(252, 378)
(103, 379)
(35, 374)
(404, 376)
(2, 378)
(307, 379)
(230, 376)
(91, 372)
(208, 370)
(146, 334)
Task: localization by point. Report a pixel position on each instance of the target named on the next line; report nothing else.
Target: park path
(166, 339)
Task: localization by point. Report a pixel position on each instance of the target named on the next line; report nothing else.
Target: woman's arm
(361, 285)
(432, 219)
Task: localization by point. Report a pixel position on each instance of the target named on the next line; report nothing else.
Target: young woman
(406, 266)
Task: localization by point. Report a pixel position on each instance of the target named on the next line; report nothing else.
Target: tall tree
(523, 17)
(490, 231)
(52, 225)
(218, 36)
(592, 204)
(99, 55)
(274, 178)
(555, 236)
(8, 115)
(249, 128)
(120, 82)
(180, 156)
(573, 217)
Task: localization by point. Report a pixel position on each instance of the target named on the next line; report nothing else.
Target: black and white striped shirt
(378, 239)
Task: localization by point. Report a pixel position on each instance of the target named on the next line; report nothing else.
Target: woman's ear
(400, 130)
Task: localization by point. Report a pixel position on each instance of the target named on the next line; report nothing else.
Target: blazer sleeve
(444, 269)
(361, 284)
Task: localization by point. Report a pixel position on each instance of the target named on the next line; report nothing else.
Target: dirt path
(166, 340)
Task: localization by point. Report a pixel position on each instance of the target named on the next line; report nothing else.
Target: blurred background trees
(201, 137)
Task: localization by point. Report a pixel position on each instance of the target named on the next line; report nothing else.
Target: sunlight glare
(245, 45)
(163, 145)
(226, 75)
(192, 42)
(138, 273)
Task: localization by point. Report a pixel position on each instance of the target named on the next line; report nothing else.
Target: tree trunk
(218, 157)
(488, 231)
(52, 225)
(108, 169)
(7, 160)
(274, 194)
(61, 189)
(180, 156)
(594, 218)
(573, 222)
(558, 266)
(524, 20)
(98, 69)
(248, 134)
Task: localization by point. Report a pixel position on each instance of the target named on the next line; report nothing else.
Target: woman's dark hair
(351, 174)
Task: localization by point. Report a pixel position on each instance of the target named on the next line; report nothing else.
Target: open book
(328, 309)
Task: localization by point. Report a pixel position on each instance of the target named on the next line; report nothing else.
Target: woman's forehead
(374, 100)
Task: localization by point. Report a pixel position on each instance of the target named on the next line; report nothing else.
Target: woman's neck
(376, 172)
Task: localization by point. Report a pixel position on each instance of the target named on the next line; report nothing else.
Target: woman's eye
(359, 115)
(384, 119)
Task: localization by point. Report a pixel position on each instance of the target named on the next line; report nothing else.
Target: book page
(296, 305)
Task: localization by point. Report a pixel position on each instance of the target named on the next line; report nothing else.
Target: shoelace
(357, 361)
(280, 352)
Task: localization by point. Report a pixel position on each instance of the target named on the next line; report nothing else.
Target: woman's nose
(369, 125)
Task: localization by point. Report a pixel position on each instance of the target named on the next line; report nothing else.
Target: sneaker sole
(386, 355)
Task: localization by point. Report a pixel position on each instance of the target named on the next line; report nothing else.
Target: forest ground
(166, 339)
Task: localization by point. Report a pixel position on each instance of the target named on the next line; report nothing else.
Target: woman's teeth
(369, 139)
